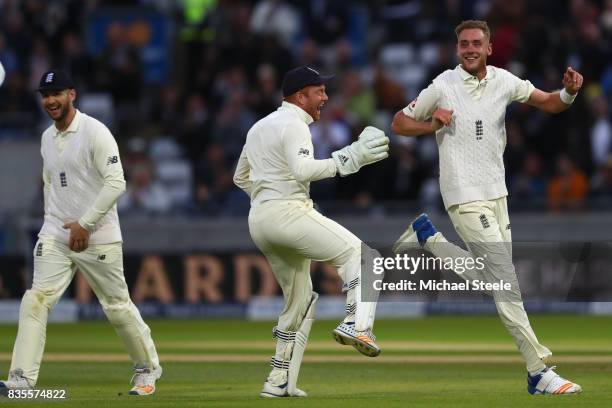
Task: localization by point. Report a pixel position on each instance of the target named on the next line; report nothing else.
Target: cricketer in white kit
(275, 169)
(83, 178)
(467, 107)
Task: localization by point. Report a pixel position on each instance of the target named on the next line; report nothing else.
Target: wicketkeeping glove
(372, 146)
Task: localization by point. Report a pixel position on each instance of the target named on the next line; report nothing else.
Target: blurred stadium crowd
(180, 137)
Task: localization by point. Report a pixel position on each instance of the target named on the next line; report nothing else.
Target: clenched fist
(572, 81)
(440, 118)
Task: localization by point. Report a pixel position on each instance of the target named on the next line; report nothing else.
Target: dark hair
(479, 24)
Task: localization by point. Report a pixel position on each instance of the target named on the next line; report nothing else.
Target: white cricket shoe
(549, 382)
(279, 391)
(16, 381)
(362, 341)
(144, 380)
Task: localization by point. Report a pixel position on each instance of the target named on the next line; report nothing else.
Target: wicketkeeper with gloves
(275, 169)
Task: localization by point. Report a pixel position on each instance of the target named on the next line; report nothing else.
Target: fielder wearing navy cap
(301, 77)
(55, 80)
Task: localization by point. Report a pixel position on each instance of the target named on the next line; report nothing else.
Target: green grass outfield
(433, 362)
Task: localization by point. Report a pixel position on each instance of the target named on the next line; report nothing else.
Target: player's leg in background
(483, 226)
(102, 267)
(53, 272)
(421, 233)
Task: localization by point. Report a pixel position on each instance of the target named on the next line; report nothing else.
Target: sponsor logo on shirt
(303, 152)
(484, 221)
(479, 130)
(63, 181)
(112, 160)
(412, 105)
(39, 249)
(343, 159)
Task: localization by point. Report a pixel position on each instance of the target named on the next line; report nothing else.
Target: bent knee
(43, 298)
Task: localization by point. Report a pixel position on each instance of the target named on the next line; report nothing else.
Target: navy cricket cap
(302, 77)
(55, 80)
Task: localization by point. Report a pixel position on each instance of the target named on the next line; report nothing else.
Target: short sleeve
(424, 105)
(520, 89)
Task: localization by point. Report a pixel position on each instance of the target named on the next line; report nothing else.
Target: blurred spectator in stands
(213, 180)
(591, 49)
(265, 97)
(529, 185)
(16, 33)
(505, 18)
(329, 134)
(514, 155)
(601, 132)
(133, 153)
(569, 186)
(40, 61)
(409, 176)
(233, 122)
(389, 94)
(275, 17)
(167, 111)
(359, 99)
(173, 171)
(601, 185)
(17, 102)
(325, 20)
(142, 193)
(8, 56)
(76, 61)
(271, 51)
(194, 128)
(309, 54)
(120, 69)
(340, 57)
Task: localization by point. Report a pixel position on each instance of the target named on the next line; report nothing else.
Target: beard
(63, 112)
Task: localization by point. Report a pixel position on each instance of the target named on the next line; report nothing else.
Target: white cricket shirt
(83, 179)
(472, 147)
(277, 161)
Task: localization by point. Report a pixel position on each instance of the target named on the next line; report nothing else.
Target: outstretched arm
(555, 102)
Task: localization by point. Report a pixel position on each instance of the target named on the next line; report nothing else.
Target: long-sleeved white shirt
(277, 161)
(472, 147)
(83, 178)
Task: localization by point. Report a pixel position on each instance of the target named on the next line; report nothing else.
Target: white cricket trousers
(484, 226)
(290, 234)
(54, 268)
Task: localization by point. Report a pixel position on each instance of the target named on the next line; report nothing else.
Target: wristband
(566, 98)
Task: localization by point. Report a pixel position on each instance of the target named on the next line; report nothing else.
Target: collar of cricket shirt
(300, 112)
(466, 76)
(73, 127)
